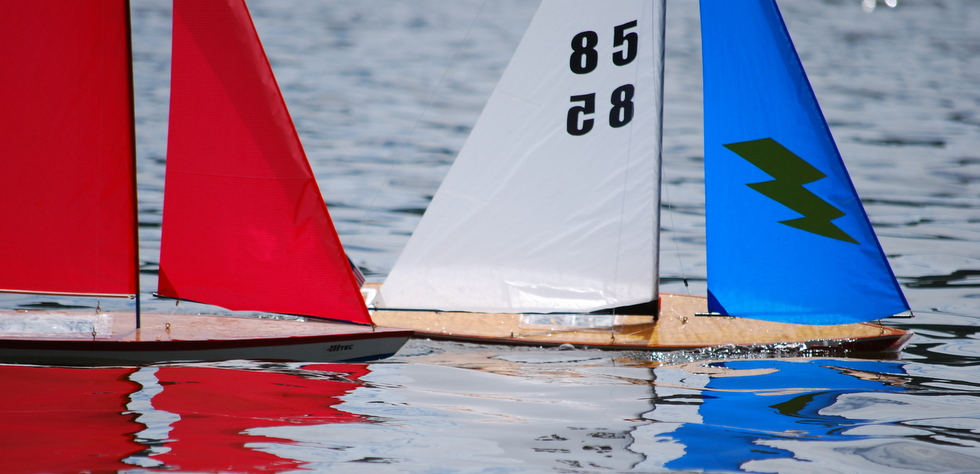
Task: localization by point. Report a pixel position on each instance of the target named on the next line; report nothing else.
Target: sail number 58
(620, 113)
(585, 59)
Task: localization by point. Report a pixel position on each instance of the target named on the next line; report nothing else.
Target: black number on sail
(584, 57)
(620, 36)
(622, 106)
(579, 111)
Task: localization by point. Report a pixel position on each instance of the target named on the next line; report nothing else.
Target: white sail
(553, 203)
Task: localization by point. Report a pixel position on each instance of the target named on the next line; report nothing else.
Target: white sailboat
(245, 226)
(546, 229)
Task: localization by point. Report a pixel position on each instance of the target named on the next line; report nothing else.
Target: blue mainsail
(788, 238)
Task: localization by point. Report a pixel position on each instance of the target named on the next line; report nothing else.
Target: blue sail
(788, 238)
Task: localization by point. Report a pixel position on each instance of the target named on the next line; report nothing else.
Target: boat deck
(80, 338)
(676, 328)
(111, 326)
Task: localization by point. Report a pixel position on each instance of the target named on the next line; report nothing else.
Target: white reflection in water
(158, 422)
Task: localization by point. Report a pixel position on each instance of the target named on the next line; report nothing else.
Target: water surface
(383, 94)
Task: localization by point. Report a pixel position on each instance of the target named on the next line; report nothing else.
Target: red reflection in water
(66, 420)
(217, 406)
(76, 420)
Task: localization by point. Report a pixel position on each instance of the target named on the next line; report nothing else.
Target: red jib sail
(245, 226)
(67, 166)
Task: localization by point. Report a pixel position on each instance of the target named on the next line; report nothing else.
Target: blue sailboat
(788, 238)
(546, 229)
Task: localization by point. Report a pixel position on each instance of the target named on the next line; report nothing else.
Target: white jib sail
(553, 203)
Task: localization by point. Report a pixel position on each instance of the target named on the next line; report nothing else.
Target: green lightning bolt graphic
(791, 173)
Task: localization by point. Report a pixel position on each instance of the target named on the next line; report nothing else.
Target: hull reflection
(729, 415)
(66, 420)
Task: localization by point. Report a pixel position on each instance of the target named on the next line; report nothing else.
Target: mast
(133, 183)
(660, 32)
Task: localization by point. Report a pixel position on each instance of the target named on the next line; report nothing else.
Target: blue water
(383, 94)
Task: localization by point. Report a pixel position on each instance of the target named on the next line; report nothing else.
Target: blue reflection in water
(749, 402)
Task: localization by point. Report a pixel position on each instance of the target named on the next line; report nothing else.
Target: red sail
(67, 167)
(244, 224)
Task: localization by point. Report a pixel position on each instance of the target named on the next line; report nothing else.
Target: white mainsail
(553, 203)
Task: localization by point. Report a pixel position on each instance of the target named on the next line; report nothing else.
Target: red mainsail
(245, 226)
(67, 198)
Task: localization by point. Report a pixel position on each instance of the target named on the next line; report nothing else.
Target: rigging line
(622, 209)
(622, 203)
(661, 68)
(670, 215)
(428, 103)
(658, 18)
(663, 188)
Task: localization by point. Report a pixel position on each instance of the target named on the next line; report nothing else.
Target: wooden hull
(78, 338)
(677, 328)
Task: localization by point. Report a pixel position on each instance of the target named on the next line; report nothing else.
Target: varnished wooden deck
(177, 327)
(676, 328)
(77, 338)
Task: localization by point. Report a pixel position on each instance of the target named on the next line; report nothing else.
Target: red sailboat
(245, 226)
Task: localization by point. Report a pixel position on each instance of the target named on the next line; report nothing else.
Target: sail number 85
(585, 59)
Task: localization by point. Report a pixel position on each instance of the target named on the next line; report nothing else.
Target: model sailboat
(245, 226)
(545, 230)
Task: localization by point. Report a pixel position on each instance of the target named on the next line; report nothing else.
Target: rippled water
(383, 94)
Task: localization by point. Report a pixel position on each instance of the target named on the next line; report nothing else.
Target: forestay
(788, 238)
(552, 204)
